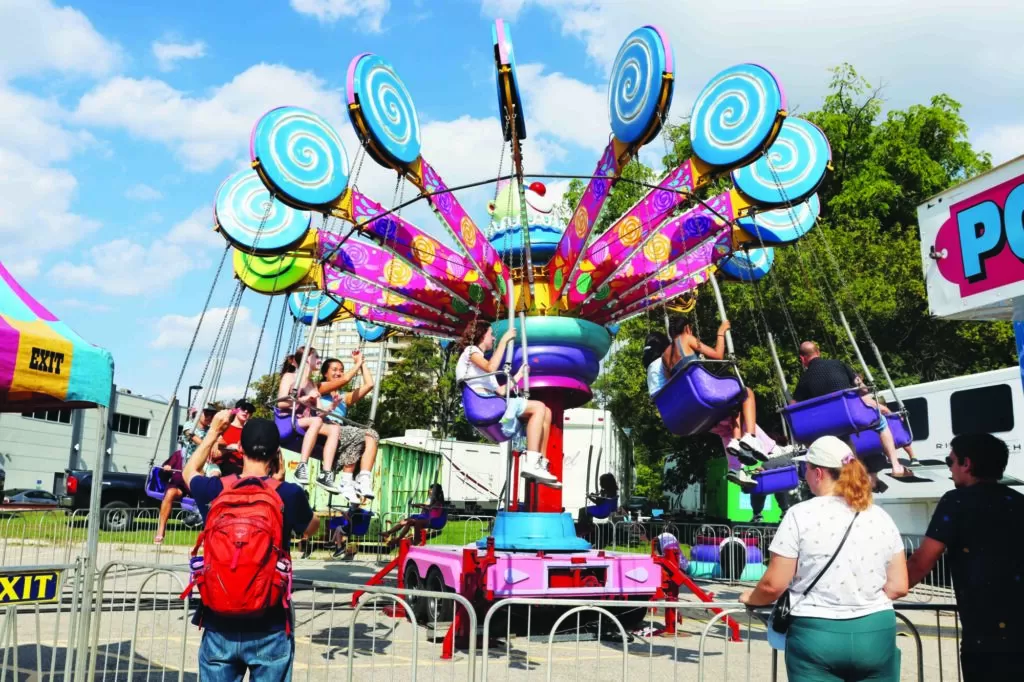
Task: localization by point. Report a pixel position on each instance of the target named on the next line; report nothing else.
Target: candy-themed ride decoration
(528, 265)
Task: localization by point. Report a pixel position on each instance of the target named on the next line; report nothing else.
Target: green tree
(262, 391)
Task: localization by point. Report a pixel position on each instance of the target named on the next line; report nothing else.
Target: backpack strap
(229, 481)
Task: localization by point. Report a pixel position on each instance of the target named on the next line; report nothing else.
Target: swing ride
(562, 290)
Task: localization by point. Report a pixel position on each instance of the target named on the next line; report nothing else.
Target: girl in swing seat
(355, 444)
(307, 418)
(477, 372)
(687, 348)
(432, 516)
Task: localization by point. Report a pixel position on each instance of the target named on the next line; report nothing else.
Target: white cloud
(169, 54)
(205, 131)
(35, 208)
(23, 268)
(34, 127)
(918, 48)
(123, 267)
(196, 229)
(554, 103)
(85, 305)
(1004, 142)
(368, 13)
(502, 9)
(175, 331)
(37, 37)
(143, 192)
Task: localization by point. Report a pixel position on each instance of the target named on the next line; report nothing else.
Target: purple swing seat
(837, 414)
(292, 434)
(484, 413)
(694, 400)
(867, 443)
(774, 481)
(156, 487)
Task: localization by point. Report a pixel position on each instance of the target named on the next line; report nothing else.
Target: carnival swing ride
(560, 288)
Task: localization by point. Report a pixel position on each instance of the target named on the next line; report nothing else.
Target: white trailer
(473, 474)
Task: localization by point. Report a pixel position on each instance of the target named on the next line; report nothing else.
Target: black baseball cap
(244, 404)
(260, 439)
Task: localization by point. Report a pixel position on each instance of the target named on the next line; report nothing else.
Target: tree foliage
(863, 258)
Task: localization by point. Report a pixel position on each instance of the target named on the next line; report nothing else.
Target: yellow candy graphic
(397, 273)
(657, 249)
(629, 231)
(468, 230)
(424, 248)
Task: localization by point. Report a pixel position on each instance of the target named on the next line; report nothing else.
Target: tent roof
(43, 363)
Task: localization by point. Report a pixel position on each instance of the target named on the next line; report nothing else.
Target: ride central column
(550, 499)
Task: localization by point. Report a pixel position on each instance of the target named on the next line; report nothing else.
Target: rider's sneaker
(347, 489)
(535, 467)
(364, 485)
(750, 443)
(741, 478)
(302, 473)
(734, 448)
(326, 481)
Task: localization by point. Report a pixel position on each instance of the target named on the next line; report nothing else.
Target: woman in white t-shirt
(477, 372)
(845, 627)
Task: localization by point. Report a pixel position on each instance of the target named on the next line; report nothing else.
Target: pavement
(144, 626)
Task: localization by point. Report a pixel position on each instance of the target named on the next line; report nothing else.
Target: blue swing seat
(604, 508)
(867, 443)
(774, 481)
(839, 414)
(694, 400)
(484, 413)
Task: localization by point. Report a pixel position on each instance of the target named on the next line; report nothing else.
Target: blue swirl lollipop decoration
(248, 216)
(304, 305)
(300, 157)
(369, 331)
(791, 170)
(636, 82)
(783, 225)
(386, 109)
(748, 265)
(735, 115)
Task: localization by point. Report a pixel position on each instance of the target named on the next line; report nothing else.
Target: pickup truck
(122, 496)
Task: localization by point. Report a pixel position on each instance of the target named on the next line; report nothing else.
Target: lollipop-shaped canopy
(783, 225)
(791, 170)
(641, 80)
(305, 306)
(382, 111)
(252, 220)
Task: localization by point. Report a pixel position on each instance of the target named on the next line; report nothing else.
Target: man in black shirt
(971, 524)
(823, 376)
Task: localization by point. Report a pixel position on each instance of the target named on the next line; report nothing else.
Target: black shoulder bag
(782, 612)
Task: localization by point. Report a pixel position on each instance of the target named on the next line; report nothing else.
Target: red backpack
(244, 569)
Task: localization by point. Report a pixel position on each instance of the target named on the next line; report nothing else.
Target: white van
(987, 402)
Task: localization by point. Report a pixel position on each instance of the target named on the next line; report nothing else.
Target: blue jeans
(225, 656)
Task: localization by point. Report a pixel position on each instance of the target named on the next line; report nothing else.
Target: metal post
(382, 358)
(526, 356)
(305, 354)
(92, 548)
(175, 422)
(730, 349)
(786, 397)
(75, 460)
(856, 348)
(511, 304)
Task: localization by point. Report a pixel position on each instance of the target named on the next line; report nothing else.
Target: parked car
(122, 495)
(23, 496)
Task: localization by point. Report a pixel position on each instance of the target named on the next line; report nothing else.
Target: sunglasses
(950, 461)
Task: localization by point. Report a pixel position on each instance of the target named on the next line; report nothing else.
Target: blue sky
(119, 120)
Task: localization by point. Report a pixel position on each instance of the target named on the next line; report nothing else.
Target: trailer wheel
(411, 580)
(437, 610)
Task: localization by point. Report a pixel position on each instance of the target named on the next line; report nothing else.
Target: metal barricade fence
(938, 584)
(39, 639)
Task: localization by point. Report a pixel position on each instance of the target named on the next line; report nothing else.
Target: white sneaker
(364, 486)
(535, 467)
(750, 443)
(741, 478)
(734, 448)
(302, 473)
(348, 491)
(554, 484)
(781, 451)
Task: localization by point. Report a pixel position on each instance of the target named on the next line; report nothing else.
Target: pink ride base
(519, 574)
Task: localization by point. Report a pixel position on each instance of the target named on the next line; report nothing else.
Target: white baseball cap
(828, 452)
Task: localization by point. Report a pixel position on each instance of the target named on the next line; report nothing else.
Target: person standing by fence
(842, 559)
(973, 525)
(244, 572)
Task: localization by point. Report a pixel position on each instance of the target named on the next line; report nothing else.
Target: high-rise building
(341, 338)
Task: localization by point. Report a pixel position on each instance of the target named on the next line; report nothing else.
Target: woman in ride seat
(433, 516)
(355, 443)
(686, 348)
(477, 372)
(307, 418)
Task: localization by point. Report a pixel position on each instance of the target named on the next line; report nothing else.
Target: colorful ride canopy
(43, 363)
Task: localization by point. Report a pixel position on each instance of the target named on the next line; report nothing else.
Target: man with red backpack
(244, 571)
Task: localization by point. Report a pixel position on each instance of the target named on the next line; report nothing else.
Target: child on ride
(477, 372)
(355, 444)
(433, 515)
(686, 348)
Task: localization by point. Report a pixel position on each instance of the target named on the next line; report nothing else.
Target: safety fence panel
(938, 584)
(38, 632)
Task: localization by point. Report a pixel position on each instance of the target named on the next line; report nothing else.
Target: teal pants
(824, 650)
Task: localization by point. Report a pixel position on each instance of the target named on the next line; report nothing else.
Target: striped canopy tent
(43, 363)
